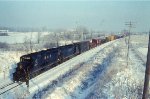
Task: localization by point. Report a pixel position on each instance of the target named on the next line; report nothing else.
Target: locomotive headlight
(20, 66)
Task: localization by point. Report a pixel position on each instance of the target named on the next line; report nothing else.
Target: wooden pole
(128, 46)
(130, 25)
(147, 73)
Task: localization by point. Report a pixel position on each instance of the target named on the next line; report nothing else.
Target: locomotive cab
(25, 62)
(22, 70)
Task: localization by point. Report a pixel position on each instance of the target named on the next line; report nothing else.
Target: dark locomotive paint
(33, 64)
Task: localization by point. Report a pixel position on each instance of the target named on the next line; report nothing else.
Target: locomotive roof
(36, 53)
(51, 49)
(80, 42)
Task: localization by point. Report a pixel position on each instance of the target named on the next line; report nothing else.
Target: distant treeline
(21, 29)
(4, 34)
(4, 45)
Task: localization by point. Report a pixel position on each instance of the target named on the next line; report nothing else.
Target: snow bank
(8, 61)
(120, 81)
(143, 50)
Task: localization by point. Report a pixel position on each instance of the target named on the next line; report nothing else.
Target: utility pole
(31, 46)
(91, 34)
(130, 25)
(56, 36)
(147, 73)
(38, 36)
(82, 35)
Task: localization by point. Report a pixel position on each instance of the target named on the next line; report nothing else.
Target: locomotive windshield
(24, 59)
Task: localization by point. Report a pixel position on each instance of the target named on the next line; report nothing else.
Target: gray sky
(99, 15)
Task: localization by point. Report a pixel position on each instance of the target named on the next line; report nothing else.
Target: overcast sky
(99, 15)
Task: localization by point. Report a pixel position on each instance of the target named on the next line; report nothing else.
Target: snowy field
(140, 45)
(143, 50)
(20, 37)
(8, 62)
(101, 73)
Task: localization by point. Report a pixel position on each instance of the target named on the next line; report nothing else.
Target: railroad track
(1, 87)
(8, 87)
(139, 56)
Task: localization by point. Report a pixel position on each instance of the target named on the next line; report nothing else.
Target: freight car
(110, 38)
(119, 36)
(95, 42)
(83, 46)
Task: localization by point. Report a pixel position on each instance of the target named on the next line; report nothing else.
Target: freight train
(33, 64)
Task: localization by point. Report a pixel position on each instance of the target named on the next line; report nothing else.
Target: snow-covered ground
(120, 81)
(143, 50)
(20, 37)
(8, 61)
(101, 73)
(140, 43)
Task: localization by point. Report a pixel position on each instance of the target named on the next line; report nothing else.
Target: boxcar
(84, 46)
(110, 38)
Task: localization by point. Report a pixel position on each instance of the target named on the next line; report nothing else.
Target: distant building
(3, 32)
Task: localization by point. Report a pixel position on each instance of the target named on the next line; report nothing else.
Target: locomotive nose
(20, 65)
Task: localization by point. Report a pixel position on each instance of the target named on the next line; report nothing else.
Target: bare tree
(31, 45)
(38, 37)
(28, 45)
(56, 39)
(82, 31)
